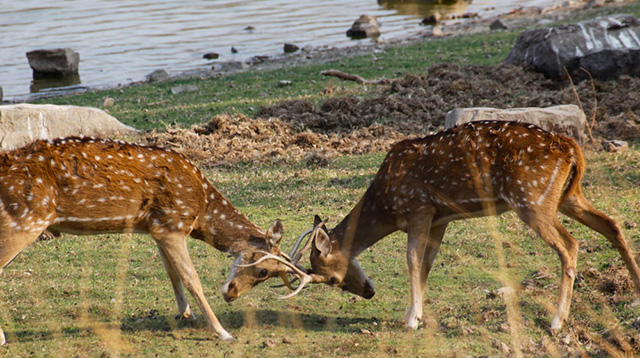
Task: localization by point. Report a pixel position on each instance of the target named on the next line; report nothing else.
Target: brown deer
(88, 186)
(473, 170)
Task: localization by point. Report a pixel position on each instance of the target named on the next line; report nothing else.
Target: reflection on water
(121, 41)
(425, 8)
(41, 82)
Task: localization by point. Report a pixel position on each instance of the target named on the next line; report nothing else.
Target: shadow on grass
(258, 319)
(288, 319)
(253, 319)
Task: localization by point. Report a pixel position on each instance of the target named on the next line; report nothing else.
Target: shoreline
(521, 18)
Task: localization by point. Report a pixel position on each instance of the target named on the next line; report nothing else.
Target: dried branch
(351, 77)
(575, 92)
(595, 98)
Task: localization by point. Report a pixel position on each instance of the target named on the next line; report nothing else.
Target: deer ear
(322, 243)
(274, 234)
(317, 221)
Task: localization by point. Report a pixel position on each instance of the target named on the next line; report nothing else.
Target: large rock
(21, 124)
(364, 26)
(588, 44)
(60, 61)
(565, 119)
(609, 64)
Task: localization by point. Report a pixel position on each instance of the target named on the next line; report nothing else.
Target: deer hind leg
(175, 250)
(11, 244)
(418, 233)
(555, 235)
(578, 208)
(178, 288)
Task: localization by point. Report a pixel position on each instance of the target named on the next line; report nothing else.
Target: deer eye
(264, 273)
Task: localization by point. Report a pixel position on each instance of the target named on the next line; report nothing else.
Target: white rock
(565, 119)
(21, 124)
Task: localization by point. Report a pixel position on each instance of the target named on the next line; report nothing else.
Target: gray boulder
(60, 61)
(588, 44)
(289, 48)
(211, 55)
(184, 88)
(565, 119)
(498, 24)
(609, 64)
(21, 124)
(157, 76)
(615, 145)
(229, 66)
(365, 26)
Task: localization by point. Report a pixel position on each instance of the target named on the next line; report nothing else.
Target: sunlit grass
(108, 296)
(97, 295)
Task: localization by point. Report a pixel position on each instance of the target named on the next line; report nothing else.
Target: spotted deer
(87, 186)
(473, 170)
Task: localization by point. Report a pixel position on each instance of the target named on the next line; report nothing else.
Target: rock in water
(365, 26)
(57, 62)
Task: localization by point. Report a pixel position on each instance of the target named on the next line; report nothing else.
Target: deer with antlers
(87, 186)
(473, 170)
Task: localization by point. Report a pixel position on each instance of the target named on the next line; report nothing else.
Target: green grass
(153, 106)
(108, 296)
(149, 106)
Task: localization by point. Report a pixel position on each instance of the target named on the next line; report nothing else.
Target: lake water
(120, 41)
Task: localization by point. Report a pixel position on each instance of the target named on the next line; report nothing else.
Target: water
(120, 41)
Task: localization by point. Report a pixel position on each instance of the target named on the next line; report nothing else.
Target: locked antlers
(291, 261)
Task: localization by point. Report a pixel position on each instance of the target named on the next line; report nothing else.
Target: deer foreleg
(178, 289)
(175, 249)
(11, 244)
(418, 233)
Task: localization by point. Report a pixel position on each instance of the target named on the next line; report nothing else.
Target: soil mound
(409, 106)
(417, 105)
(237, 138)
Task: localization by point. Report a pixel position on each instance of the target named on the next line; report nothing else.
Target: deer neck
(365, 225)
(227, 229)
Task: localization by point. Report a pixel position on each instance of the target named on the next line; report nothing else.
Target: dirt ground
(408, 106)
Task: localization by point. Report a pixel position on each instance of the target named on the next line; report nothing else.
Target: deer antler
(314, 233)
(298, 241)
(303, 281)
(286, 281)
(304, 278)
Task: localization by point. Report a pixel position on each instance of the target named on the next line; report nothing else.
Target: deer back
(84, 185)
(458, 171)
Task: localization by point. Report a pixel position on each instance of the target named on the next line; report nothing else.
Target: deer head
(248, 270)
(333, 265)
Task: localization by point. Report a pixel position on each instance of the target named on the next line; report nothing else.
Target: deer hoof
(412, 324)
(187, 315)
(226, 337)
(556, 324)
(412, 319)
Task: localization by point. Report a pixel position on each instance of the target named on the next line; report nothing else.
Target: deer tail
(578, 167)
